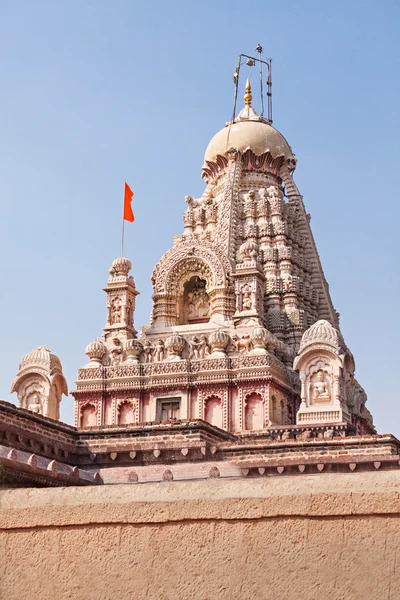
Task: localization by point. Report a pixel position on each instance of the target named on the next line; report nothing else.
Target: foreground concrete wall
(330, 536)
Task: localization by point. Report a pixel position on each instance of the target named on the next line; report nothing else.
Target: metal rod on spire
(251, 60)
(259, 49)
(236, 82)
(269, 92)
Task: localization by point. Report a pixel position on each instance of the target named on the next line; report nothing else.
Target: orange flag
(128, 213)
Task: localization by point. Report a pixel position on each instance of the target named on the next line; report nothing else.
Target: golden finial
(248, 97)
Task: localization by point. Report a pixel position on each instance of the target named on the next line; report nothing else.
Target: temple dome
(249, 131)
(256, 135)
(322, 332)
(41, 357)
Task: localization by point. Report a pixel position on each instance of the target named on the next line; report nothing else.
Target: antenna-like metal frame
(268, 63)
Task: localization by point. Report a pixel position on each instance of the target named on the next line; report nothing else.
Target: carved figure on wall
(192, 202)
(247, 301)
(35, 404)
(242, 344)
(320, 387)
(159, 350)
(148, 351)
(196, 303)
(129, 312)
(273, 193)
(116, 353)
(198, 347)
(116, 310)
(204, 348)
(249, 202)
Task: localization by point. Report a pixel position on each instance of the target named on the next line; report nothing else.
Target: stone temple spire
(254, 250)
(234, 302)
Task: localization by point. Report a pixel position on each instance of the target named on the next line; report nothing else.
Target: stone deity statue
(198, 347)
(320, 387)
(35, 404)
(197, 301)
(116, 353)
(159, 350)
(116, 311)
(247, 302)
(148, 352)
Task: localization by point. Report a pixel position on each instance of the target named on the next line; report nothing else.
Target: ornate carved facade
(235, 299)
(243, 341)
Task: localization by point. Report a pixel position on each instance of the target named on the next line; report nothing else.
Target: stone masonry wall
(333, 536)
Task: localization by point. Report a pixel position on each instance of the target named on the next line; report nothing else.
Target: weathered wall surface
(330, 536)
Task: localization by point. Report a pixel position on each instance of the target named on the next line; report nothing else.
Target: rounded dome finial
(95, 351)
(120, 266)
(322, 332)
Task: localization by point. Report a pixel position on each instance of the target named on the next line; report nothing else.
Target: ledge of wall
(333, 535)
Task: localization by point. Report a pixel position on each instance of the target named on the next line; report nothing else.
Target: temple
(242, 370)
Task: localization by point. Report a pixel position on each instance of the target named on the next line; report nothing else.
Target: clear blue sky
(94, 92)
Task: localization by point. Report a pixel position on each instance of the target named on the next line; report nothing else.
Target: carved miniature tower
(121, 297)
(235, 299)
(40, 383)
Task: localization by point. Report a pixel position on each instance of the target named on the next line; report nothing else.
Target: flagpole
(123, 232)
(123, 225)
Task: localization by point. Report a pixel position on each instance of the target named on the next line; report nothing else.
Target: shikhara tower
(243, 332)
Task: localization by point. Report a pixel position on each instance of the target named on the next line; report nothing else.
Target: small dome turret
(95, 351)
(121, 266)
(322, 332)
(40, 383)
(41, 357)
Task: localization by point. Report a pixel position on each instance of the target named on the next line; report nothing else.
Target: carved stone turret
(40, 383)
(121, 298)
(322, 365)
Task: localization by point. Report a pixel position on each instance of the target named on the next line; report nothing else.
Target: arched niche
(194, 302)
(108, 411)
(88, 415)
(254, 413)
(277, 410)
(213, 411)
(126, 413)
(282, 412)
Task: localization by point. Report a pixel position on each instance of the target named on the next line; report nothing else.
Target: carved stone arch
(88, 415)
(254, 411)
(176, 268)
(58, 388)
(32, 384)
(186, 269)
(126, 412)
(214, 410)
(220, 265)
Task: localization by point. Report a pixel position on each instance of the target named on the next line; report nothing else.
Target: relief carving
(148, 351)
(320, 388)
(116, 353)
(34, 403)
(198, 347)
(159, 350)
(196, 302)
(116, 305)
